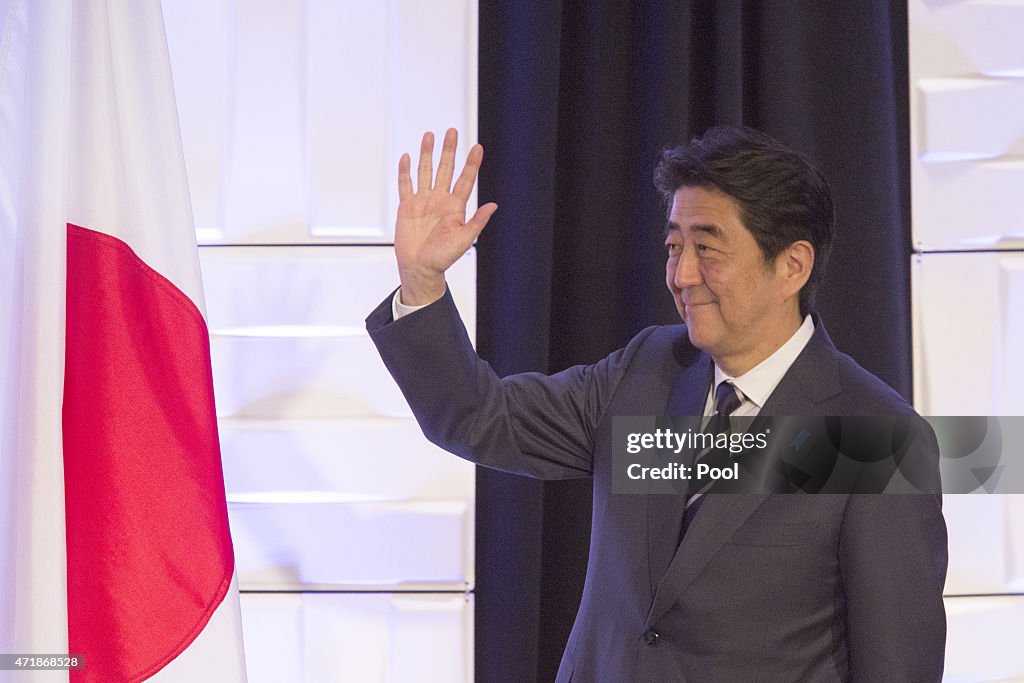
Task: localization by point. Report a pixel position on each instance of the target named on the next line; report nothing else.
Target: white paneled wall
(287, 331)
(986, 543)
(294, 112)
(969, 332)
(984, 639)
(353, 535)
(967, 123)
(967, 174)
(358, 637)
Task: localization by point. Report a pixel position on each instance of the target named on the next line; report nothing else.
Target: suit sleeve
(893, 557)
(532, 424)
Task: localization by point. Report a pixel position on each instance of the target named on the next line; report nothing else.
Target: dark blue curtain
(576, 99)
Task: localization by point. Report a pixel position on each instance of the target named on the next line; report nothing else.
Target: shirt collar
(758, 383)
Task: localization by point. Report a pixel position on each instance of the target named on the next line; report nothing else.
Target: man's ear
(794, 266)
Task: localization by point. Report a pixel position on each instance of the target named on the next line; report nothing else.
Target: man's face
(734, 306)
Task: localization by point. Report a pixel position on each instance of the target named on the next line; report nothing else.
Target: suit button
(651, 637)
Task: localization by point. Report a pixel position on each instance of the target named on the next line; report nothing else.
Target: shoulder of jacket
(862, 386)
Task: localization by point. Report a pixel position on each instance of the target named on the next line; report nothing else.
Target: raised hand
(432, 232)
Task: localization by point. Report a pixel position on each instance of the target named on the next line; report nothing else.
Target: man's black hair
(782, 198)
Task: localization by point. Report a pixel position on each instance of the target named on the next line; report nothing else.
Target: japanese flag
(114, 540)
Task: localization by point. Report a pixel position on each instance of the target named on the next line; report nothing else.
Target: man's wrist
(421, 290)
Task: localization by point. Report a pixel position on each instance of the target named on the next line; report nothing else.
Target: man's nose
(687, 270)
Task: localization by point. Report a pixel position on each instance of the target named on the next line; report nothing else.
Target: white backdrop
(967, 173)
(353, 535)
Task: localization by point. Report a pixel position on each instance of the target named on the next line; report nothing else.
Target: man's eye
(703, 248)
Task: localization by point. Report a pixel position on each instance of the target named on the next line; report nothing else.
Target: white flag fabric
(114, 541)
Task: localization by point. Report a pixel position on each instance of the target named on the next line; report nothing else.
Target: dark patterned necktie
(726, 403)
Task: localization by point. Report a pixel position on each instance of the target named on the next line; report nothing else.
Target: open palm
(432, 232)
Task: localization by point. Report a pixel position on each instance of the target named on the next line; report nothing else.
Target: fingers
(404, 179)
(446, 167)
(464, 185)
(479, 220)
(445, 170)
(426, 168)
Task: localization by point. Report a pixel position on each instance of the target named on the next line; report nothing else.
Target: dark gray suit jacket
(763, 587)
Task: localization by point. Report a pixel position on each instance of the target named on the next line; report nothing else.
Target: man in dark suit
(691, 587)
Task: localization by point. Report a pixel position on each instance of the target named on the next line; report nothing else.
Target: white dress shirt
(755, 385)
(399, 310)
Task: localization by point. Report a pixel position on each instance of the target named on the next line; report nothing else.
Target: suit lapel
(665, 512)
(719, 518)
(812, 378)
